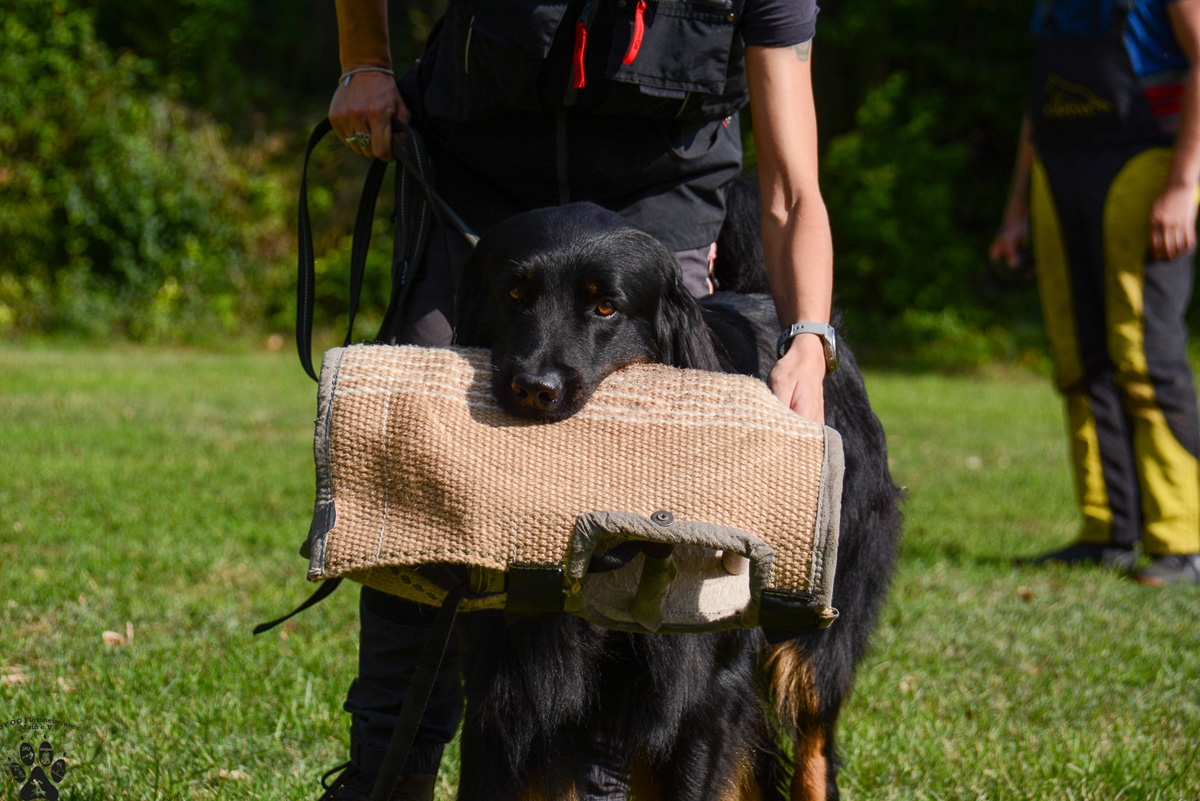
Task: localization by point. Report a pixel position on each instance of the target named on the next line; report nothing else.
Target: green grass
(170, 489)
(989, 682)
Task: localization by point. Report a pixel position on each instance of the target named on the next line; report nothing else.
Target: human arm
(797, 242)
(1173, 216)
(367, 101)
(1014, 226)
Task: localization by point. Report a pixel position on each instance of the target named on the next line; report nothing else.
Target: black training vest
(1085, 92)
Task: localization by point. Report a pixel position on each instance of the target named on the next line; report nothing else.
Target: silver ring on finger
(360, 138)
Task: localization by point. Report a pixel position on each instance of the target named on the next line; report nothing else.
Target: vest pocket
(665, 52)
(496, 57)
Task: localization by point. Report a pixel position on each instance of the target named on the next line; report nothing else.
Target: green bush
(889, 186)
(121, 209)
(180, 39)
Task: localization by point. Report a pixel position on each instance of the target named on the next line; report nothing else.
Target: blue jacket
(1148, 35)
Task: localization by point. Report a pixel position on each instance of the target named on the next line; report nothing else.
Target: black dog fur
(563, 297)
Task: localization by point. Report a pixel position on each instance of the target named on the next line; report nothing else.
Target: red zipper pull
(580, 47)
(639, 30)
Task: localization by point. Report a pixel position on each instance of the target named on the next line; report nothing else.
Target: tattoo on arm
(803, 50)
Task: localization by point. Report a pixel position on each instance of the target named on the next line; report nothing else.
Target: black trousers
(1115, 320)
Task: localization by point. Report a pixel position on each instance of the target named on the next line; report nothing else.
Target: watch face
(831, 359)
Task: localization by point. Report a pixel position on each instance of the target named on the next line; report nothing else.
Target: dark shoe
(352, 784)
(1087, 553)
(1175, 568)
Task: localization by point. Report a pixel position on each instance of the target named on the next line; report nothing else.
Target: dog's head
(563, 297)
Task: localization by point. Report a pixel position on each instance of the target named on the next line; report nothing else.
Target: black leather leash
(324, 591)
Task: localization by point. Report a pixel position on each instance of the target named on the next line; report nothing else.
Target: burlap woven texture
(417, 463)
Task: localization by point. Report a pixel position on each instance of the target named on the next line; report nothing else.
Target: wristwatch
(823, 330)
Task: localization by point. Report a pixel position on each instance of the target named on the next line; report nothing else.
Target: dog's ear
(468, 301)
(683, 338)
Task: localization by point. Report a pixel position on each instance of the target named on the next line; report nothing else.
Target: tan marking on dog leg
(643, 783)
(810, 781)
(535, 790)
(793, 690)
(792, 686)
(745, 783)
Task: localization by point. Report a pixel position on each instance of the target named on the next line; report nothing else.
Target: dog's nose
(537, 391)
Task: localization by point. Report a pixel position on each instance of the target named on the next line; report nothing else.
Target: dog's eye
(516, 292)
(605, 308)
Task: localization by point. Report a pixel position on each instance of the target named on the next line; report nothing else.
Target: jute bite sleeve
(736, 497)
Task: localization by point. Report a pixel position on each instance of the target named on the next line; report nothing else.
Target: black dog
(562, 708)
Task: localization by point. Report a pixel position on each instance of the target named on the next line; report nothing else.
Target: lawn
(154, 500)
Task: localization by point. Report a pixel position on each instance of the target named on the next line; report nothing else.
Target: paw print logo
(35, 784)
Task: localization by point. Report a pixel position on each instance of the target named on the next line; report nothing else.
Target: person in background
(633, 106)
(1106, 185)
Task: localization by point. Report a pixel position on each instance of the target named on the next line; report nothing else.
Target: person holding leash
(628, 104)
(1106, 182)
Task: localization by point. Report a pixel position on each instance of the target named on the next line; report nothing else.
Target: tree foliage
(108, 193)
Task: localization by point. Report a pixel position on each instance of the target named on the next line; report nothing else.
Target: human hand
(797, 378)
(1009, 243)
(1173, 222)
(367, 105)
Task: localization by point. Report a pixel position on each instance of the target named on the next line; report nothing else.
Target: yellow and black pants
(1115, 320)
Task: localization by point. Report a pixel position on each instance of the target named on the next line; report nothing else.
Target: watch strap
(823, 330)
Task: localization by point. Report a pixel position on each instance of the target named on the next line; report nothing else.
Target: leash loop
(306, 278)
(413, 157)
